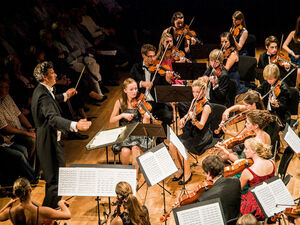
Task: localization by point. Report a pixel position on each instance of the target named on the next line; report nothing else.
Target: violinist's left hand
(274, 102)
(190, 115)
(213, 80)
(286, 65)
(193, 41)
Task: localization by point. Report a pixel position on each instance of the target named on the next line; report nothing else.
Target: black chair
(293, 103)
(247, 69)
(250, 45)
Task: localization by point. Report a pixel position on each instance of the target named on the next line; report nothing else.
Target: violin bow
(181, 36)
(160, 63)
(272, 88)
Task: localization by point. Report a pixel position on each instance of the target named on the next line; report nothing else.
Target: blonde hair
(199, 83)
(124, 104)
(216, 55)
(260, 117)
(161, 47)
(247, 219)
(137, 214)
(271, 71)
(21, 189)
(261, 149)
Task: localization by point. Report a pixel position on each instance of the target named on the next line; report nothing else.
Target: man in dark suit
(227, 189)
(49, 124)
(140, 73)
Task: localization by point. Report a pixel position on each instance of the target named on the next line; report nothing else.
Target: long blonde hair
(261, 149)
(124, 104)
(161, 47)
(137, 214)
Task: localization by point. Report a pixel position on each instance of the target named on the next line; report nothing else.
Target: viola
(189, 198)
(236, 168)
(235, 31)
(232, 120)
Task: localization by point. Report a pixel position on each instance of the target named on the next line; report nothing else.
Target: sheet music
(176, 141)
(157, 165)
(292, 139)
(271, 194)
(202, 215)
(93, 181)
(281, 193)
(107, 136)
(266, 199)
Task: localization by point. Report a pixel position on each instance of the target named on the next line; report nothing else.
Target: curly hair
(261, 117)
(42, 70)
(261, 149)
(21, 189)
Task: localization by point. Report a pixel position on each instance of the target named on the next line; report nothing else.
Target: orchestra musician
(177, 23)
(261, 170)
(125, 112)
(256, 121)
(26, 212)
(146, 85)
(196, 136)
(292, 46)
(231, 59)
(220, 88)
(128, 210)
(278, 98)
(228, 189)
(270, 56)
(239, 32)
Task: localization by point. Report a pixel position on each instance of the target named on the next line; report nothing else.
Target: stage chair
(250, 45)
(247, 69)
(294, 104)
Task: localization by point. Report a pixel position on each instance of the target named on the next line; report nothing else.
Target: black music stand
(165, 94)
(174, 94)
(190, 71)
(202, 51)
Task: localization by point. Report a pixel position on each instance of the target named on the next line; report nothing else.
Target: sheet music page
(176, 141)
(266, 198)
(281, 193)
(87, 181)
(207, 214)
(151, 167)
(292, 139)
(107, 136)
(165, 162)
(108, 178)
(67, 184)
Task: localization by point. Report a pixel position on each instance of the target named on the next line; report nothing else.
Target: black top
(138, 74)
(229, 192)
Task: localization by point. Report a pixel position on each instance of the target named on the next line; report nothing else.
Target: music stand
(174, 94)
(126, 131)
(148, 130)
(190, 71)
(202, 51)
(166, 94)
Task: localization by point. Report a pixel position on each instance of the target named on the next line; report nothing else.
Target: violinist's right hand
(169, 75)
(181, 122)
(147, 84)
(225, 116)
(127, 116)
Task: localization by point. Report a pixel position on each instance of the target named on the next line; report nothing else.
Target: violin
(236, 168)
(189, 198)
(292, 212)
(50, 222)
(228, 51)
(188, 34)
(236, 31)
(139, 101)
(196, 108)
(176, 54)
(231, 142)
(279, 58)
(162, 70)
(232, 120)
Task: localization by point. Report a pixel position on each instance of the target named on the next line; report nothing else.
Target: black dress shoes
(77, 136)
(185, 182)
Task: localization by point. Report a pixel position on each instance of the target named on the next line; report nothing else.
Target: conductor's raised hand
(71, 92)
(83, 124)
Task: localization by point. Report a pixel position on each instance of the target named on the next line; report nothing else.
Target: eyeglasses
(150, 56)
